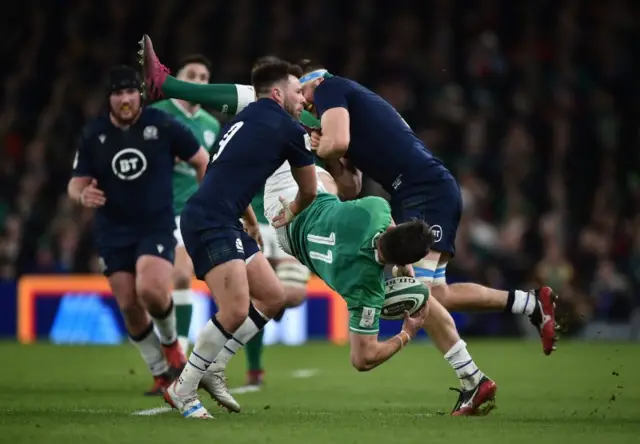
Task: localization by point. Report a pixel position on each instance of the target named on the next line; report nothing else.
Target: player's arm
(185, 146)
(251, 225)
(367, 352)
(303, 170)
(347, 177)
(199, 161)
(83, 187)
(333, 107)
(336, 136)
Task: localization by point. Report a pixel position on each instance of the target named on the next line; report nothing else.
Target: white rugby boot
(215, 383)
(189, 406)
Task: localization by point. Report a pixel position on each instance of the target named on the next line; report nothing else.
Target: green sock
(253, 350)
(184, 308)
(226, 98)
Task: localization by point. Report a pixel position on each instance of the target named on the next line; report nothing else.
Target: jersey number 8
(226, 139)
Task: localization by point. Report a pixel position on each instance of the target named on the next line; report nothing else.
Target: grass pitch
(583, 393)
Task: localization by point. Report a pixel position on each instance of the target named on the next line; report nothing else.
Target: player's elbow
(363, 362)
(336, 149)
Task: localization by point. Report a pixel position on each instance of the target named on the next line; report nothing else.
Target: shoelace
(460, 398)
(222, 380)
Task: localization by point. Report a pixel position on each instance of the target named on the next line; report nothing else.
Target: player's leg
(538, 305)
(477, 391)
(182, 294)
(154, 269)
(294, 277)
(268, 298)
(217, 256)
(226, 98)
(441, 206)
(255, 346)
(119, 267)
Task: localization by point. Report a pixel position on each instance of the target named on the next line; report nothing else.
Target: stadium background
(533, 105)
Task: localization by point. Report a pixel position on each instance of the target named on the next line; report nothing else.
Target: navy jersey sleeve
(183, 144)
(299, 147)
(332, 93)
(82, 161)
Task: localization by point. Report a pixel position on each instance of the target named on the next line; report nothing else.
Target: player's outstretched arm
(367, 352)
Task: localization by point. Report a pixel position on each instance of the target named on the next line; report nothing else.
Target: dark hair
(194, 58)
(266, 60)
(406, 243)
(269, 71)
(307, 66)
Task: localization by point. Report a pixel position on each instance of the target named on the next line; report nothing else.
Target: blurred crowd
(532, 105)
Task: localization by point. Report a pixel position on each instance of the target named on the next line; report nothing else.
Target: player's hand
(413, 324)
(403, 270)
(254, 232)
(285, 215)
(92, 196)
(315, 139)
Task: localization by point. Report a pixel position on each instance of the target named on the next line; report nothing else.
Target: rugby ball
(403, 294)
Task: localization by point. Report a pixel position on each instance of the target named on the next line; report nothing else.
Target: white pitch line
(244, 389)
(305, 373)
(152, 412)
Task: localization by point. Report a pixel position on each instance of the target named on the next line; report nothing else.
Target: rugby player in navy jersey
(123, 168)
(363, 128)
(246, 289)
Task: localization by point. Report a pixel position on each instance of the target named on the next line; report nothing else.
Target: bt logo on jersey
(129, 164)
(437, 233)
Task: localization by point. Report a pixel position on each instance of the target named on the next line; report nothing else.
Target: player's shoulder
(160, 116)
(96, 126)
(164, 105)
(375, 204)
(153, 119)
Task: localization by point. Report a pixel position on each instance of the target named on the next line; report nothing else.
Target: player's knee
(181, 279)
(232, 316)
(133, 312)
(154, 292)
(294, 277)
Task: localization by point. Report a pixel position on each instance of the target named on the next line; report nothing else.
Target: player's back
(133, 167)
(382, 145)
(252, 146)
(335, 239)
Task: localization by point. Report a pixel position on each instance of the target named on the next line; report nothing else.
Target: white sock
(460, 359)
(210, 341)
(167, 326)
(150, 349)
(249, 328)
(524, 302)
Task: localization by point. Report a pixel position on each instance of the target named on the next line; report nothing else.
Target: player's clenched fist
(92, 196)
(315, 138)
